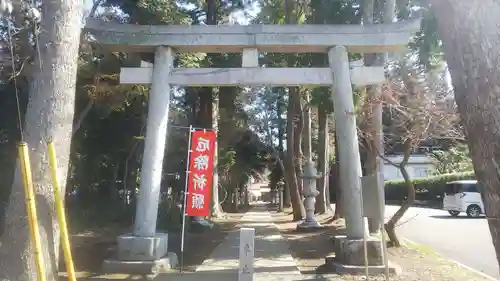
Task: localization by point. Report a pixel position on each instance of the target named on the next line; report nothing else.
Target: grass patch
(421, 248)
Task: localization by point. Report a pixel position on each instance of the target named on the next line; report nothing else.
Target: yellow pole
(61, 216)
(31, 207)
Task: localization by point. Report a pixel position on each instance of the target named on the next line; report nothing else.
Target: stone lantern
(281, 196)
(310, 177)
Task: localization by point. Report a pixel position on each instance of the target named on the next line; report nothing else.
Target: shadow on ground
(92, 247)
(309, 249)
(268, 274)
(448, 217)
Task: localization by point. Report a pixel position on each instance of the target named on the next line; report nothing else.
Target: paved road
(465, 240)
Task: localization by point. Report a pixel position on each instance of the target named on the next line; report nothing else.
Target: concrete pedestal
(349, 256)
(154, 267)
(134, 248)
(141, 255)
(351, 251)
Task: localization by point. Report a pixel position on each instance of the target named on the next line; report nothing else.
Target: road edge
(482, 274)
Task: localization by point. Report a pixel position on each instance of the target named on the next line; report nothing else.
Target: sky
(88, 4)
(238, 16)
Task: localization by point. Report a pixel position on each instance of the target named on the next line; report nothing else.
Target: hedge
(430, 188)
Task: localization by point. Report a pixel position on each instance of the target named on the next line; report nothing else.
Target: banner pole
(185, 196)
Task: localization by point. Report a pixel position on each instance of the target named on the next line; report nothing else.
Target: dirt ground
(91, 247)
(418, 263)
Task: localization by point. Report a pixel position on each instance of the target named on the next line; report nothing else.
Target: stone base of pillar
(349, 256)
(141, 255)
(332, 265)
(135, 248)
(351, 251)
(150, 268)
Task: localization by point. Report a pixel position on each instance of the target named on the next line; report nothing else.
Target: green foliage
(426, 42)
(169, 215)
(251, 155)
(227, 160)
(426, 188)
(454, 160)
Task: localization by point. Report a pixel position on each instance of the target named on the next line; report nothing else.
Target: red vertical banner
(200, 175)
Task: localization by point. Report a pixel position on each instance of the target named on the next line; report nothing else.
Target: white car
(463, 196)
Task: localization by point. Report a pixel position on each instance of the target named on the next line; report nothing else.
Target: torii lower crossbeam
(253, 76)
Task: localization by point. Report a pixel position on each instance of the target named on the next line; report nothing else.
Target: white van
(463, 196)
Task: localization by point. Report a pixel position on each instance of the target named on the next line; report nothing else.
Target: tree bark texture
(293, 141)
(306, 131)
(339, 206)
(390, 226)
(291, 161)
(469, 32)
(211, 114)
(280, 104)
(297, 134)
(216, 208)
(374, 164)
(372, 92)
(226, 120)
(322, 202)
(49, 116)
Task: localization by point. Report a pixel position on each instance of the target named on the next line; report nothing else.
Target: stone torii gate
(150, 247)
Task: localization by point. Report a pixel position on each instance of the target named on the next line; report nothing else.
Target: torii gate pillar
(145, 244)
(347, 135)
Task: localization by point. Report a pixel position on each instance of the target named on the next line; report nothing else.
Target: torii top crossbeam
(374, 38)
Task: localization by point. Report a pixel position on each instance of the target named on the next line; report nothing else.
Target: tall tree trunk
(293, 138)
(204, 120)
(113, 185)
(322, 202)
(390, 226)
(374, 164)
(209, 115)
(227, 121)
(306, 130)
(303, 137)
(216, 206)
(297, 134)
(49, 116)
(339, 205)
(372, 94)
(469, 32)
(280, 104)
(319, 15)
(291, 161)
